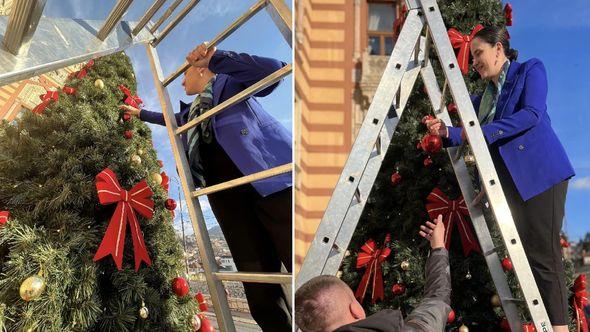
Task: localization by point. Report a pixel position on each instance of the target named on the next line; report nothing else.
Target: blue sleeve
(244, 68)
(454, 138)
(156, 117)
(534, 101)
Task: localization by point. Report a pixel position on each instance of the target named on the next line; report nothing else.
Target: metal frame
(360, 171)
(82, 42)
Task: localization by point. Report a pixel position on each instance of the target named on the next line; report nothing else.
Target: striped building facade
(340, 53)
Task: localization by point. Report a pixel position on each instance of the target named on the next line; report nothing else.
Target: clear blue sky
(258, 36)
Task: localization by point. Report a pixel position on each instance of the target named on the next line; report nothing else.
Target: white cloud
(581, 183)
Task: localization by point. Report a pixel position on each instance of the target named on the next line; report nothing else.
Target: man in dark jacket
(244, 139)
(326, 303)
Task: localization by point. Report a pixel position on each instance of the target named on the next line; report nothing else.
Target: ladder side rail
(22, 23)
(113, 19)
(148, 16)
(485, 165)
(218, 296)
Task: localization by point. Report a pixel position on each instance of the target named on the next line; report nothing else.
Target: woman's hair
(493, 35)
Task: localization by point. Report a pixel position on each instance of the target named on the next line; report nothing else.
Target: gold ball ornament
(32, 287)
(463, 328)
(196, 323)
(495, 300)
(136, 159)
(157, 178)
(143, 311)
(99, 84)
(140, 152)
(405, 265)
(469, 160)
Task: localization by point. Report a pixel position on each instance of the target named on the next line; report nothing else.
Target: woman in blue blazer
(531, 162)
(255, 219)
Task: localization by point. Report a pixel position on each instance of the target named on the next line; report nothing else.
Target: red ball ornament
(126, 117)
(563, 242)
(427, 162)
(170, 204)
(507, 264)
(427, 118)
(396, 178)
(451, 317)
(431, 143)
(128, 134)
(398, 289)
(202, 303)
(180, 286)
(205, 324)
(4, 215)
(528, 327)
(160, 163)
(68, 90)
(452, 108)
(504, 324)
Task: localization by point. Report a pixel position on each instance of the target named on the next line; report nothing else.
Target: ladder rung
(259, 277)
(165, 16)
(114, 18)
(254, 88)
(286, 168)
(175, 21)
(220, 37)
(148, 16)
(22, 24)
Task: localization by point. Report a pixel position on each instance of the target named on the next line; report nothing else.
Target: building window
(380, 27)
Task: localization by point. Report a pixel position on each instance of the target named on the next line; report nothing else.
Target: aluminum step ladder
(409, 59)
(25, 54)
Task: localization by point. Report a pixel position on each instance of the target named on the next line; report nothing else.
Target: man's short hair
(314, 309)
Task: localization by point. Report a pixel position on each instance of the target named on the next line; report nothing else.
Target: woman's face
(195, 79)
(487, 59)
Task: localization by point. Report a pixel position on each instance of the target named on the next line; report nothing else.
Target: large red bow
(461, 41)
(137, 199)
(4, 215)
(48, 97)
(372, 258)
(453, 211)
(397, 25)
(130, 99)
(165, 181)
(580, 301)
(82, 72)
(508, 14)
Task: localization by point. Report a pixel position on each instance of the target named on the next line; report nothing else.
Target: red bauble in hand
(180, 286)
(452, 108)
(507, 264)
(431, 143)
(427, 118)
(126, 117)
(396, 178)
(398, 289)
(451, 317)
(170, 204)
(128, 134)
(427, 162)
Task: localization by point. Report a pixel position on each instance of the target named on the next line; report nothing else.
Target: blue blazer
(521, 130)
(252, 138)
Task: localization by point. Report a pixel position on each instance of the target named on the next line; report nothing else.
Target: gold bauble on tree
(495, 300)
(143, 311)
(405, 265)
(157, 178)
(99, 84)
(463, 328)
(140, 152)
(32, 287)
(136, 159)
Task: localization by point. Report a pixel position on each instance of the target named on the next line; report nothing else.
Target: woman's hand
(130, 109)
(434, 232)
(200, 56)
(437, 127)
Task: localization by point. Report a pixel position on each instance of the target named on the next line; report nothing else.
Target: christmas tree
(398, 203)
(78, 175)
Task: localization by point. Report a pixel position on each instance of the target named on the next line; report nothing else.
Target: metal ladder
(24, 54)
(409, 58)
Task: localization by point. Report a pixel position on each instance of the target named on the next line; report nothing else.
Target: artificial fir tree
(398, 203)
(54, 162)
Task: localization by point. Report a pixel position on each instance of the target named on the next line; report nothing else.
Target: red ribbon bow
(453, 211)
(4, 215)
(165, 181)
(580, 301)
(372, 258)
(130, 99)
(82, 72)
(461, 41)
(508, 14)
(47, 98)
(397, 25)
(137, 199)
